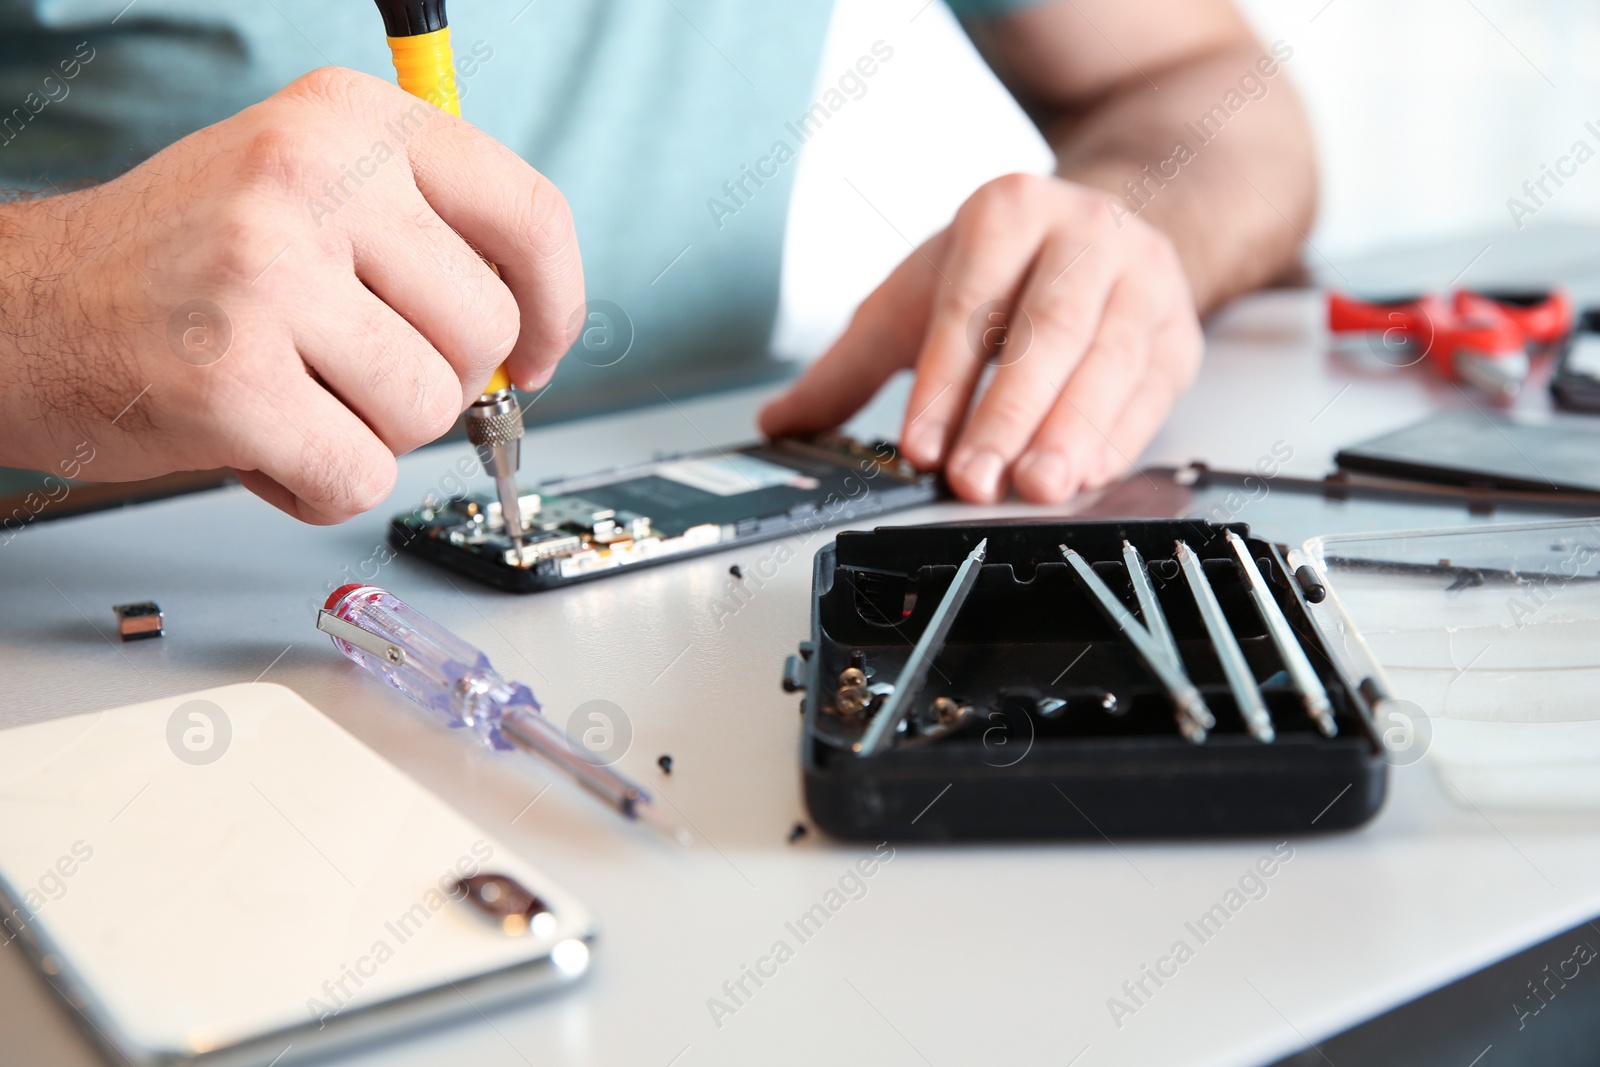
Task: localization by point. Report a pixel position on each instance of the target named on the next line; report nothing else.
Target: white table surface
(955, 954)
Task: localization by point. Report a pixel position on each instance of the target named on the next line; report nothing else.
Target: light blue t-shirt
(670, 125)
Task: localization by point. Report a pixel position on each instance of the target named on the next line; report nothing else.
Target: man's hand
(1090, 326)
(300, 292)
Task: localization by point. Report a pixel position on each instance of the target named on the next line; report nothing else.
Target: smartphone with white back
(227, 878)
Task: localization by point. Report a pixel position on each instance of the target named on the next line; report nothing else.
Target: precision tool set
(1073, 679)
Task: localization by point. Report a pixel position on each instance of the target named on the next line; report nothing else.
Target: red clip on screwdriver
(449, 677)
(1480, 337)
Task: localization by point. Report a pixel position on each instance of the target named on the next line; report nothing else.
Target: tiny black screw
(737, 572)
(797, 833)
(665, 763)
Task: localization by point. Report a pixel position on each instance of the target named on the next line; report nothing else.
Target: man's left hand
(1088, 321)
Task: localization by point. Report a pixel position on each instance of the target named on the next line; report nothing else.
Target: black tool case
(1100, 766)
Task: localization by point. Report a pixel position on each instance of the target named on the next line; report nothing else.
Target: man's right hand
(301, 292)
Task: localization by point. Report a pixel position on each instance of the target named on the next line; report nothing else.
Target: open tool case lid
(1485, 643)
(1073, 736)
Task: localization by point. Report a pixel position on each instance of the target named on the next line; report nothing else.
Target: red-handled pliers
(1481, 337)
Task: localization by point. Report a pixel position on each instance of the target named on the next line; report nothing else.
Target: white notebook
(227, 877)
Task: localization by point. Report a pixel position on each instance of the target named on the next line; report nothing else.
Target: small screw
(797, 833)
(946, 710)
(665, 763)
(1109, 703)
(851, 677)
(737, 572)
(852, 699)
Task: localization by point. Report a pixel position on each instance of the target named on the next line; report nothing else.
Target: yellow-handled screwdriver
(419, 41)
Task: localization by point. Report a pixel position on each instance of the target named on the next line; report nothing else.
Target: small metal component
(797, 833)
(852, 676)
(1194, 718)
(909, 684)
(507, 901)
(943, 717)
(1295, 661)
(139, 622)
(355, 636)
(851, 700)
(1241, 681)
(737, 572)
(494, 426)
(1050, 707)
(1499, 374)
(665, 763)
(858, 660)
(1109, 705)
(1155, 620)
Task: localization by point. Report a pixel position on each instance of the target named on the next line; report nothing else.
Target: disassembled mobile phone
(575, 529)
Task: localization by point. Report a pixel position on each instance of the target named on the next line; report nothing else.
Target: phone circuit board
(576, 529)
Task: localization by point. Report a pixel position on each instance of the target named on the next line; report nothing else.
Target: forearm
(1219, 157)
(37, 369)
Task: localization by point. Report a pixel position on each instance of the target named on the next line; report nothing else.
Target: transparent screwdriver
(447, 675)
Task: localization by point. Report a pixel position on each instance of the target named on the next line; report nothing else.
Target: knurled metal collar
(495, 422)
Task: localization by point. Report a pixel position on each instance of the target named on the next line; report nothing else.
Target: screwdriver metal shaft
(1155, 620)
(915, 672)
(1241, 680)
(494, 426)
(1194, 718)
(1295, 661)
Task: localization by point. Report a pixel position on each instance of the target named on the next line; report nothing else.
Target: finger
(883, 337)
(1064, 447)
(380, 366)
(1066, 315)
(326, 464)
(1175, 355)
(1135, 427)
(427, 273)
(270, 490)
(991, 248)
(520, 221)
